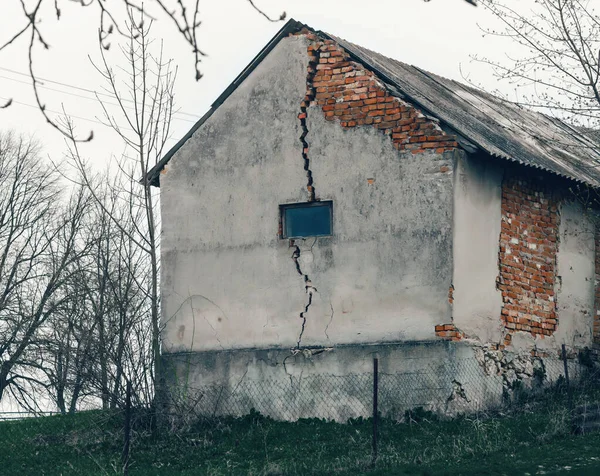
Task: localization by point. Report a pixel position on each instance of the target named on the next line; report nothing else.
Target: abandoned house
(335, 204)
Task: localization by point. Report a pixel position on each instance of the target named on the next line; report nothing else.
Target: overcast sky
(438, 36)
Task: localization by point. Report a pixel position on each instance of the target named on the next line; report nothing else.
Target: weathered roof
(498, 127)
(480, 120)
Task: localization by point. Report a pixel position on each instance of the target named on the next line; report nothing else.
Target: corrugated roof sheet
(498, 127)
(495, 126)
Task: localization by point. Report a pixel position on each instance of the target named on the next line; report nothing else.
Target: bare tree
(558, 67)
(122, 301)
(149, 92)
(64, 352)
(39, 242)
(99, 340)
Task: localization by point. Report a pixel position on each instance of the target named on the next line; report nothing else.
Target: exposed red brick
(448, 332)
(527, 257)
(352, 95)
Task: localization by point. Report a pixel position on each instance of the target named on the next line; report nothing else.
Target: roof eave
(466, 141)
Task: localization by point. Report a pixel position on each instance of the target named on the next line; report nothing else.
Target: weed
(539, 373)
(419, 415)
(585, 358)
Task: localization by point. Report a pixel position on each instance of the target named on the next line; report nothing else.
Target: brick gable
(353, 96)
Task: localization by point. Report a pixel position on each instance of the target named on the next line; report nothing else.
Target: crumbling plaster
(476, 300)
(574, 286)
(241, 303)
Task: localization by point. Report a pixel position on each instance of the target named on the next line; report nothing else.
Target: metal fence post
(375, 412)
(127, 431)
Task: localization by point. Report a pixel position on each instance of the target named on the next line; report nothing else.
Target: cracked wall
(314, 58)
(384, 274)
(309, 289)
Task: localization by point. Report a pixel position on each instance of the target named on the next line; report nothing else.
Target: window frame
(287, 206)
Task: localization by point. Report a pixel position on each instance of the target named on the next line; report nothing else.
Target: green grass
(90, 443)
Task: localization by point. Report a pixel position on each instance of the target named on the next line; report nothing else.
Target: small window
(301, 220)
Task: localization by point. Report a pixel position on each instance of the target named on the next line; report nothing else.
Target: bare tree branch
(558, 68)
(113, 18)
(39, 242)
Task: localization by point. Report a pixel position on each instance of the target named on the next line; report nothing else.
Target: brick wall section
(449, 332)
(597, 287)
(353, 96)
(527, 262)
(527, 257)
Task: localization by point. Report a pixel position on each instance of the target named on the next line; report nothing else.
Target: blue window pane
(310, 219)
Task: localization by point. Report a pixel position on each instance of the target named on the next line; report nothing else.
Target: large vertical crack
(330, 320)
(313, 61)
(303, 116)
(308, 288)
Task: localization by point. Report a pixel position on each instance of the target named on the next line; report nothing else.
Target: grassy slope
(90, 443)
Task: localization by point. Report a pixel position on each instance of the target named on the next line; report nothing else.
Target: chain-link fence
(18, 415)
(446, 389)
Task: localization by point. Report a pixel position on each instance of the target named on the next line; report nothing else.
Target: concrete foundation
(335, 384)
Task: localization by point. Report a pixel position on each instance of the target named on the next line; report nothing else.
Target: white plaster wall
(576, 273)
(229, 282)
(477, 220)
(387, 270)
(222, 267)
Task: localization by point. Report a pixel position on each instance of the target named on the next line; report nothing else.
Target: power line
(81, 89)
(90, 99)
(69, 115)
(50, 110)
(87, 97)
